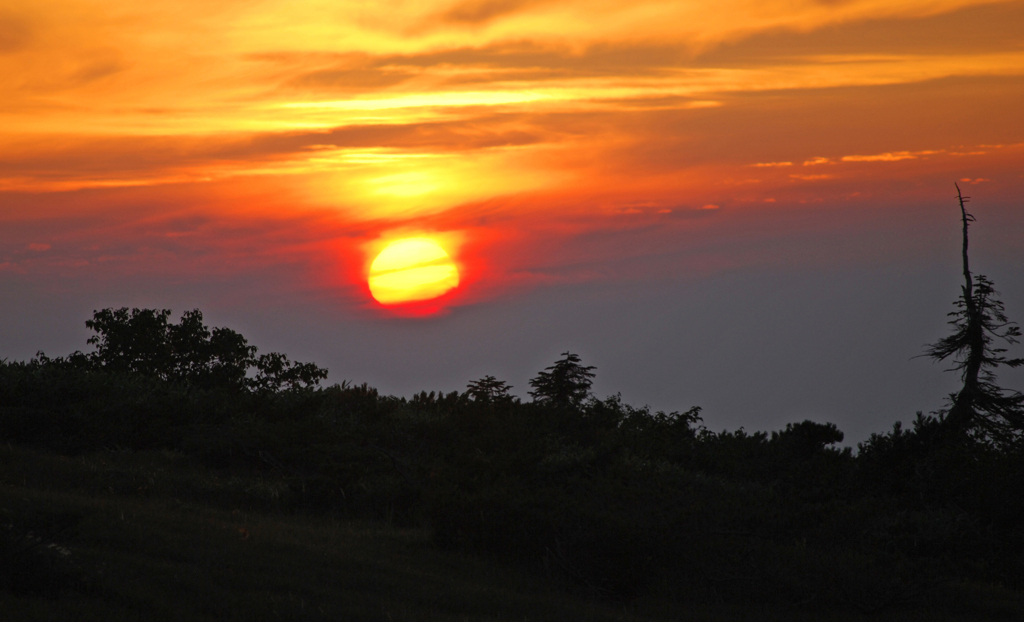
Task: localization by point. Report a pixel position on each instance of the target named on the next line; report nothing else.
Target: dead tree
(980, 408)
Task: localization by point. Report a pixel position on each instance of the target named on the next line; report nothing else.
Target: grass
(155, 536)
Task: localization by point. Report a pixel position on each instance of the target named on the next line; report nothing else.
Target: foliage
(156, 536)
(142, 342)
(274, 372)
(488, 390)
(598, 496)
(566, 383)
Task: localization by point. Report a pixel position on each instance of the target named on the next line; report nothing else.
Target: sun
(410, 270)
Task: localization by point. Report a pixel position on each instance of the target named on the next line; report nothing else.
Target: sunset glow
(244, 136)
(410, 270)
(648, 183)
(676, 294)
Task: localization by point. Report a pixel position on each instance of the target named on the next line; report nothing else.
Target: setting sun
(410, 270)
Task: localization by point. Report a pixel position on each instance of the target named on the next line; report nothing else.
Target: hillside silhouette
(605, 500)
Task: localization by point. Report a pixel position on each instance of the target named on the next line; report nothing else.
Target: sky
(747, 206)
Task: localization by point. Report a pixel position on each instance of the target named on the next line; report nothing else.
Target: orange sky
(444, 116)
(195, 145)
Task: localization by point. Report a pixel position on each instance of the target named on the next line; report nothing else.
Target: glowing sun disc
(411, 269)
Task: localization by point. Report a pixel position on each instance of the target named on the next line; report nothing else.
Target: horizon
(747, 208)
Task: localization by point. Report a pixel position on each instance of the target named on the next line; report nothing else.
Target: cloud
(460, 135)
(965, 29)
(339, 108)
(888, 156)
(95, 69)
(475, 12)
(700, 25)
(340, 72)
(81, 161)
(881, 157)
(15, 33)
(525, 59)
(350, 79)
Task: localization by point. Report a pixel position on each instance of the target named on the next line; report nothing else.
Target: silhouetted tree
(980, 407)
(142, 341)
(566, 383)
(134, 342)
(209, 358)
(808, 438)
(275, 372)
(488, 390)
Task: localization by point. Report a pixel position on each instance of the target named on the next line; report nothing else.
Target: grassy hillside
(154, 535)
(151, 536)
(175, 474)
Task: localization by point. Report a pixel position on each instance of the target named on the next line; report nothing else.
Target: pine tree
(566, 383)
(981, 408)
(489, 390)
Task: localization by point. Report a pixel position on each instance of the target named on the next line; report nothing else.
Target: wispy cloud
(815, 161)
(889, 156)
(481, 11)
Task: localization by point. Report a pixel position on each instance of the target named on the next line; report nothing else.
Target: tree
(134, 342)
(489, 390)
(142, 341)
(805, 439)
(275, 372)
(207, 358)
(980, 407)
(566, 383)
